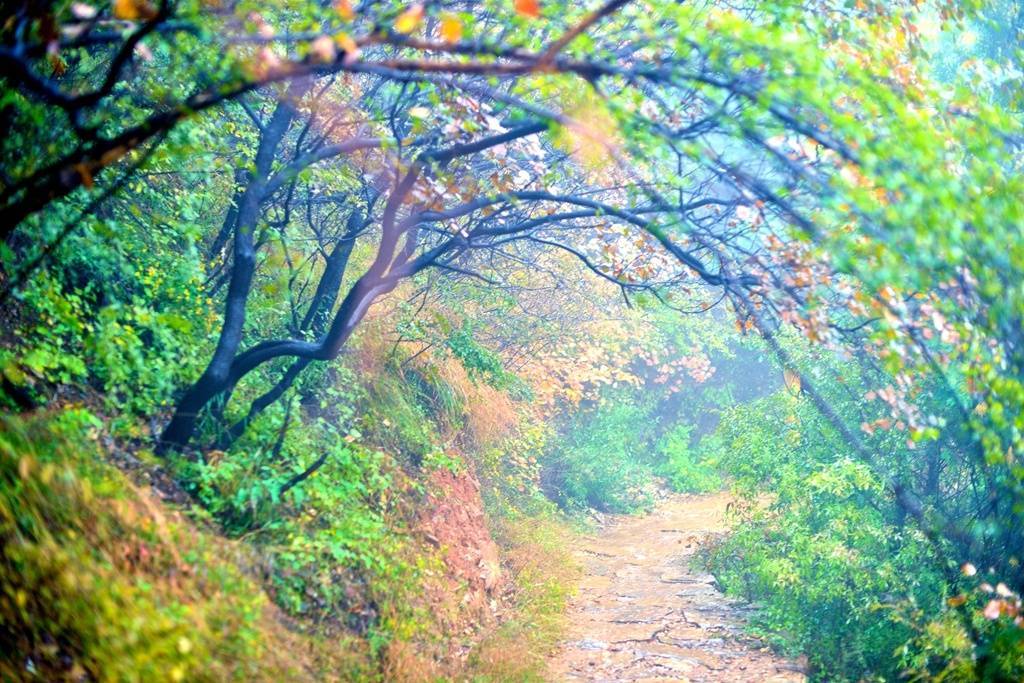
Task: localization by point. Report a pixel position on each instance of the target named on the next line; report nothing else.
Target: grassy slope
(104, 580)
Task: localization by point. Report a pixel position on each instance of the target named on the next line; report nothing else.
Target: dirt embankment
(453, 520)
(643, 614)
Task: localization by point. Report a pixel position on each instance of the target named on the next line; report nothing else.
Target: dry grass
(405, 662)
(490, 414)
(370, 349)
(544, 573)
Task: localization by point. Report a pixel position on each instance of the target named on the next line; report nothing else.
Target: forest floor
(643, 614)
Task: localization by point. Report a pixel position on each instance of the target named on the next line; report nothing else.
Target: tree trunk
(316, 319)
(214, 379)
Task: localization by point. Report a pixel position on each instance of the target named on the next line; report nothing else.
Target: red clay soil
(642, 614)
(453, 520)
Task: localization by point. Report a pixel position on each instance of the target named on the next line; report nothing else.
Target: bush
(828, 570)
(682, 466)
(126, 319)
(334, 546)
(840, 573)
(603, 461)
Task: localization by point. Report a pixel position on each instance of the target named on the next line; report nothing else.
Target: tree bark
(389, 267)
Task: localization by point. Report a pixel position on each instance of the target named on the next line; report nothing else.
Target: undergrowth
(294, 555)
(101, 582)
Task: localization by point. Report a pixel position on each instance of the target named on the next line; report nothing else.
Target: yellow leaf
(348, 46)
(792, 381)
(408, 20)
(451, 29)
(528, 8)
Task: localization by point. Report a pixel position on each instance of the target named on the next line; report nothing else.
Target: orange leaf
(528, 8)
(344, 9)
(451, 29)
(132, 10)
(347, 46)
(125, 9)
(57, 65)
(322, 50)
(112, 155)
(85, 174)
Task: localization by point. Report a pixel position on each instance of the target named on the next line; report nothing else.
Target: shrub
(827, 570)
(602, 461)
(682, 466)
(334, 547)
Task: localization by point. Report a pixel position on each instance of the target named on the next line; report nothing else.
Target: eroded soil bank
(642, 613)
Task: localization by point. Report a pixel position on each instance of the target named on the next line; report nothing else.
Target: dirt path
(642, 614)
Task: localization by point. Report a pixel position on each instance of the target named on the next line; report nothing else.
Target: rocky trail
(643, 614)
